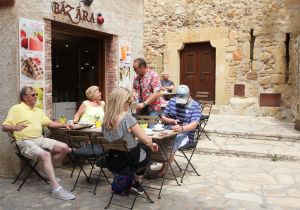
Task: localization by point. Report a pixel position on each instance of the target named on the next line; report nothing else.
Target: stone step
(251, 135)
(263, 128)
(253, 148)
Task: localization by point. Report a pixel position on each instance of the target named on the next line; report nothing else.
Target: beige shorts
(31, 148)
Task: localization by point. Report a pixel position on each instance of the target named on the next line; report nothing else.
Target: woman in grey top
(118, 124)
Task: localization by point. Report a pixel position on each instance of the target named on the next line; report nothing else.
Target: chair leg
(25, 165)
(148, 197)
(180, 169)
(27, 175)
(98, 178)
(187, 165)
(104, 174)
(175, 177)
(206, 135)
(73, 163)
(91, 171)
(111, 197)
(77, 178)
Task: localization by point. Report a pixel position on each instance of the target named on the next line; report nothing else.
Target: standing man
(167, 84)
(146, 85)
(26, 122)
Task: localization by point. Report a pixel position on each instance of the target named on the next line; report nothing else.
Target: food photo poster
(32, 57)
(124, 64)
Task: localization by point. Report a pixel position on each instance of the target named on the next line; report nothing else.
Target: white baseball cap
(182, 94)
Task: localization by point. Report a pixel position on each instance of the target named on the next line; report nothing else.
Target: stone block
(252, 75)
(278, 79)
(245, 106)
(264, 80)
(237, 55)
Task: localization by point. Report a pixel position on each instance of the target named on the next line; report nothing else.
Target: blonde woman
(91, 109)
(118, 123)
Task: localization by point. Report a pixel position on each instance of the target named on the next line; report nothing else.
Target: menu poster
(124, 64)
(32, 57)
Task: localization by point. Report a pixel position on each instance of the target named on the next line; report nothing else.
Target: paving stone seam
(277, 157)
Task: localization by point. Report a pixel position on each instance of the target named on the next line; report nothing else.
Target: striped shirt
(186, 115)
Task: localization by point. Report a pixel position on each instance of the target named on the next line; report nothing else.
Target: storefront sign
(32, 57)
(75, 14)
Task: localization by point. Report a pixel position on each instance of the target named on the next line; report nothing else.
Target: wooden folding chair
(30, 164)
(89, 152)
(147, 119)
(120, 145)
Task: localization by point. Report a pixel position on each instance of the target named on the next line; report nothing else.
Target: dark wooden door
(197, 68)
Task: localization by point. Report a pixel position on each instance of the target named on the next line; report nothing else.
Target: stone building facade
(123, 20)
(257, 48)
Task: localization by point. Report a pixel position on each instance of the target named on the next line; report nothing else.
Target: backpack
(122, 184)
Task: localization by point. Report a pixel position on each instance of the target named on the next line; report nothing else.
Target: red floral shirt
(145, 85)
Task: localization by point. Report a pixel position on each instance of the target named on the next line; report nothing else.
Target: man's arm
(168, 120)
(54, 124)
(149, 100)
(152, 97)
(10, 128)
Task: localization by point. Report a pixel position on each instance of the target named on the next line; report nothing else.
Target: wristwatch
(144, 103)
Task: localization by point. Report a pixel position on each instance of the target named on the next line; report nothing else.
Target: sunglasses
(34, 94)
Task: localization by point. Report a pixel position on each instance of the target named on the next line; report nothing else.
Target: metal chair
(190, 147)
(206, 110)
(90, 152)
(206, 107)
(30, 164)
(120, 145)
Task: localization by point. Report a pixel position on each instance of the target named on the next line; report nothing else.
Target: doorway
(197, 68)
(77, 63)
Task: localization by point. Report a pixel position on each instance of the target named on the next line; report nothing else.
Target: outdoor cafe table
(165, 140)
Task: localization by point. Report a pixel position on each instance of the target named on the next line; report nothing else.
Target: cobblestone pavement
(225, 183)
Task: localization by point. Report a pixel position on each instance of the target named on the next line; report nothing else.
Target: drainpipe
(297, 120)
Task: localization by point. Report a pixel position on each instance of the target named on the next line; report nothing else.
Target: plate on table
(148, 131)
(158, 129)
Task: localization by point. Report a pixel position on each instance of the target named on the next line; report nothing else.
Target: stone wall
(123, 21)
(191, 21)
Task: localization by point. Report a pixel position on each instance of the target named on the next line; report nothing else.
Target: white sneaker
(63, 194)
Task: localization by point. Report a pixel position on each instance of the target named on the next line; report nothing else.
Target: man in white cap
(182, 114)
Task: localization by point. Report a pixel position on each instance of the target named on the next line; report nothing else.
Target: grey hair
(23, 91)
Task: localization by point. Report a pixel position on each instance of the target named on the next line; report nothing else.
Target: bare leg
(59, 151)
(45, 158)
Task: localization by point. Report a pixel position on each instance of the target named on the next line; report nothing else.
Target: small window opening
(252, 40)
(287, 57)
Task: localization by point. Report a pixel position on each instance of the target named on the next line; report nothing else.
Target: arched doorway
(198, 68)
